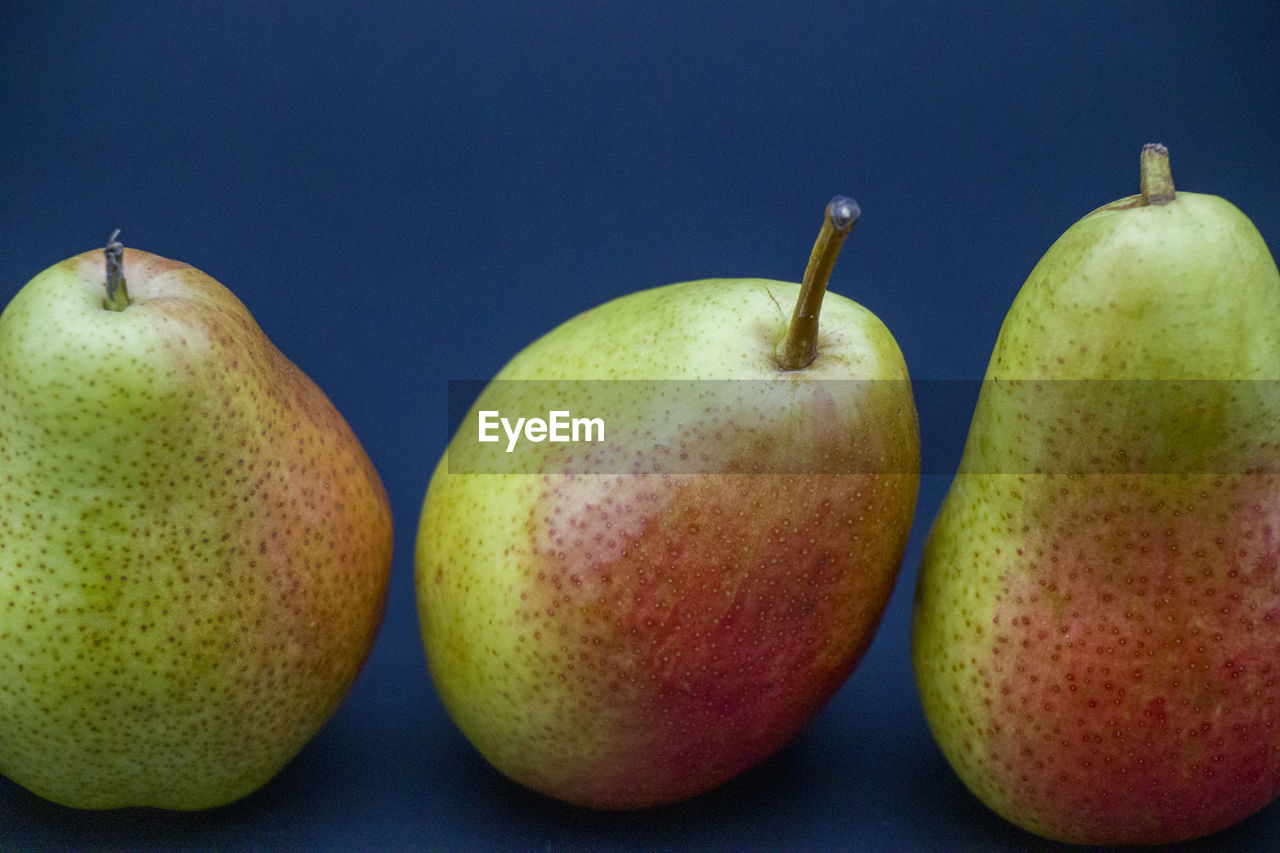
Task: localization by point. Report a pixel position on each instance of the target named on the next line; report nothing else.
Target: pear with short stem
(194, 547)
(1097, 615)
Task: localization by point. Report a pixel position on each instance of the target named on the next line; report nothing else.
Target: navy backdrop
(405, 193)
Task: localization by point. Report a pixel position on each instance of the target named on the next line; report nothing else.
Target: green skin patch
(1097, 620)
(194, 549)
(620, 640)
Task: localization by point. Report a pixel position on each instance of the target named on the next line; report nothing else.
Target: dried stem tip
(1157, 180)
(117, 289)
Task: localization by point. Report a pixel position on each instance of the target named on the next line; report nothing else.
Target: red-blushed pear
(633, 621)
(194, 548)
(1096, 631)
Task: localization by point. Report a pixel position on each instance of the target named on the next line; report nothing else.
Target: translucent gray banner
(792, 425)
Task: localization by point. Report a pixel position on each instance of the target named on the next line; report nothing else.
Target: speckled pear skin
(194, 548)
(623, 640)
(1096, 632)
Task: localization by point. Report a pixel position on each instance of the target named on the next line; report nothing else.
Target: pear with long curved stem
(636, 621)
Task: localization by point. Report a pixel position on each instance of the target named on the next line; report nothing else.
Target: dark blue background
(405, 193)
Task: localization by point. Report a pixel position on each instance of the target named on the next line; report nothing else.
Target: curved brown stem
(800, 347)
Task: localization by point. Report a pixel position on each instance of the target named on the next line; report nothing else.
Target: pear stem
(800, 347)
(117, 290)
(1157, 180)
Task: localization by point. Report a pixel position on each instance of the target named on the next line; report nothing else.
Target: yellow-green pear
(1096, 631)
(635, 620)
(194, 548)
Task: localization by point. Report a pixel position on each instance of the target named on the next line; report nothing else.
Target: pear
(194, 548)
(1097, 617)
(634, 621)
